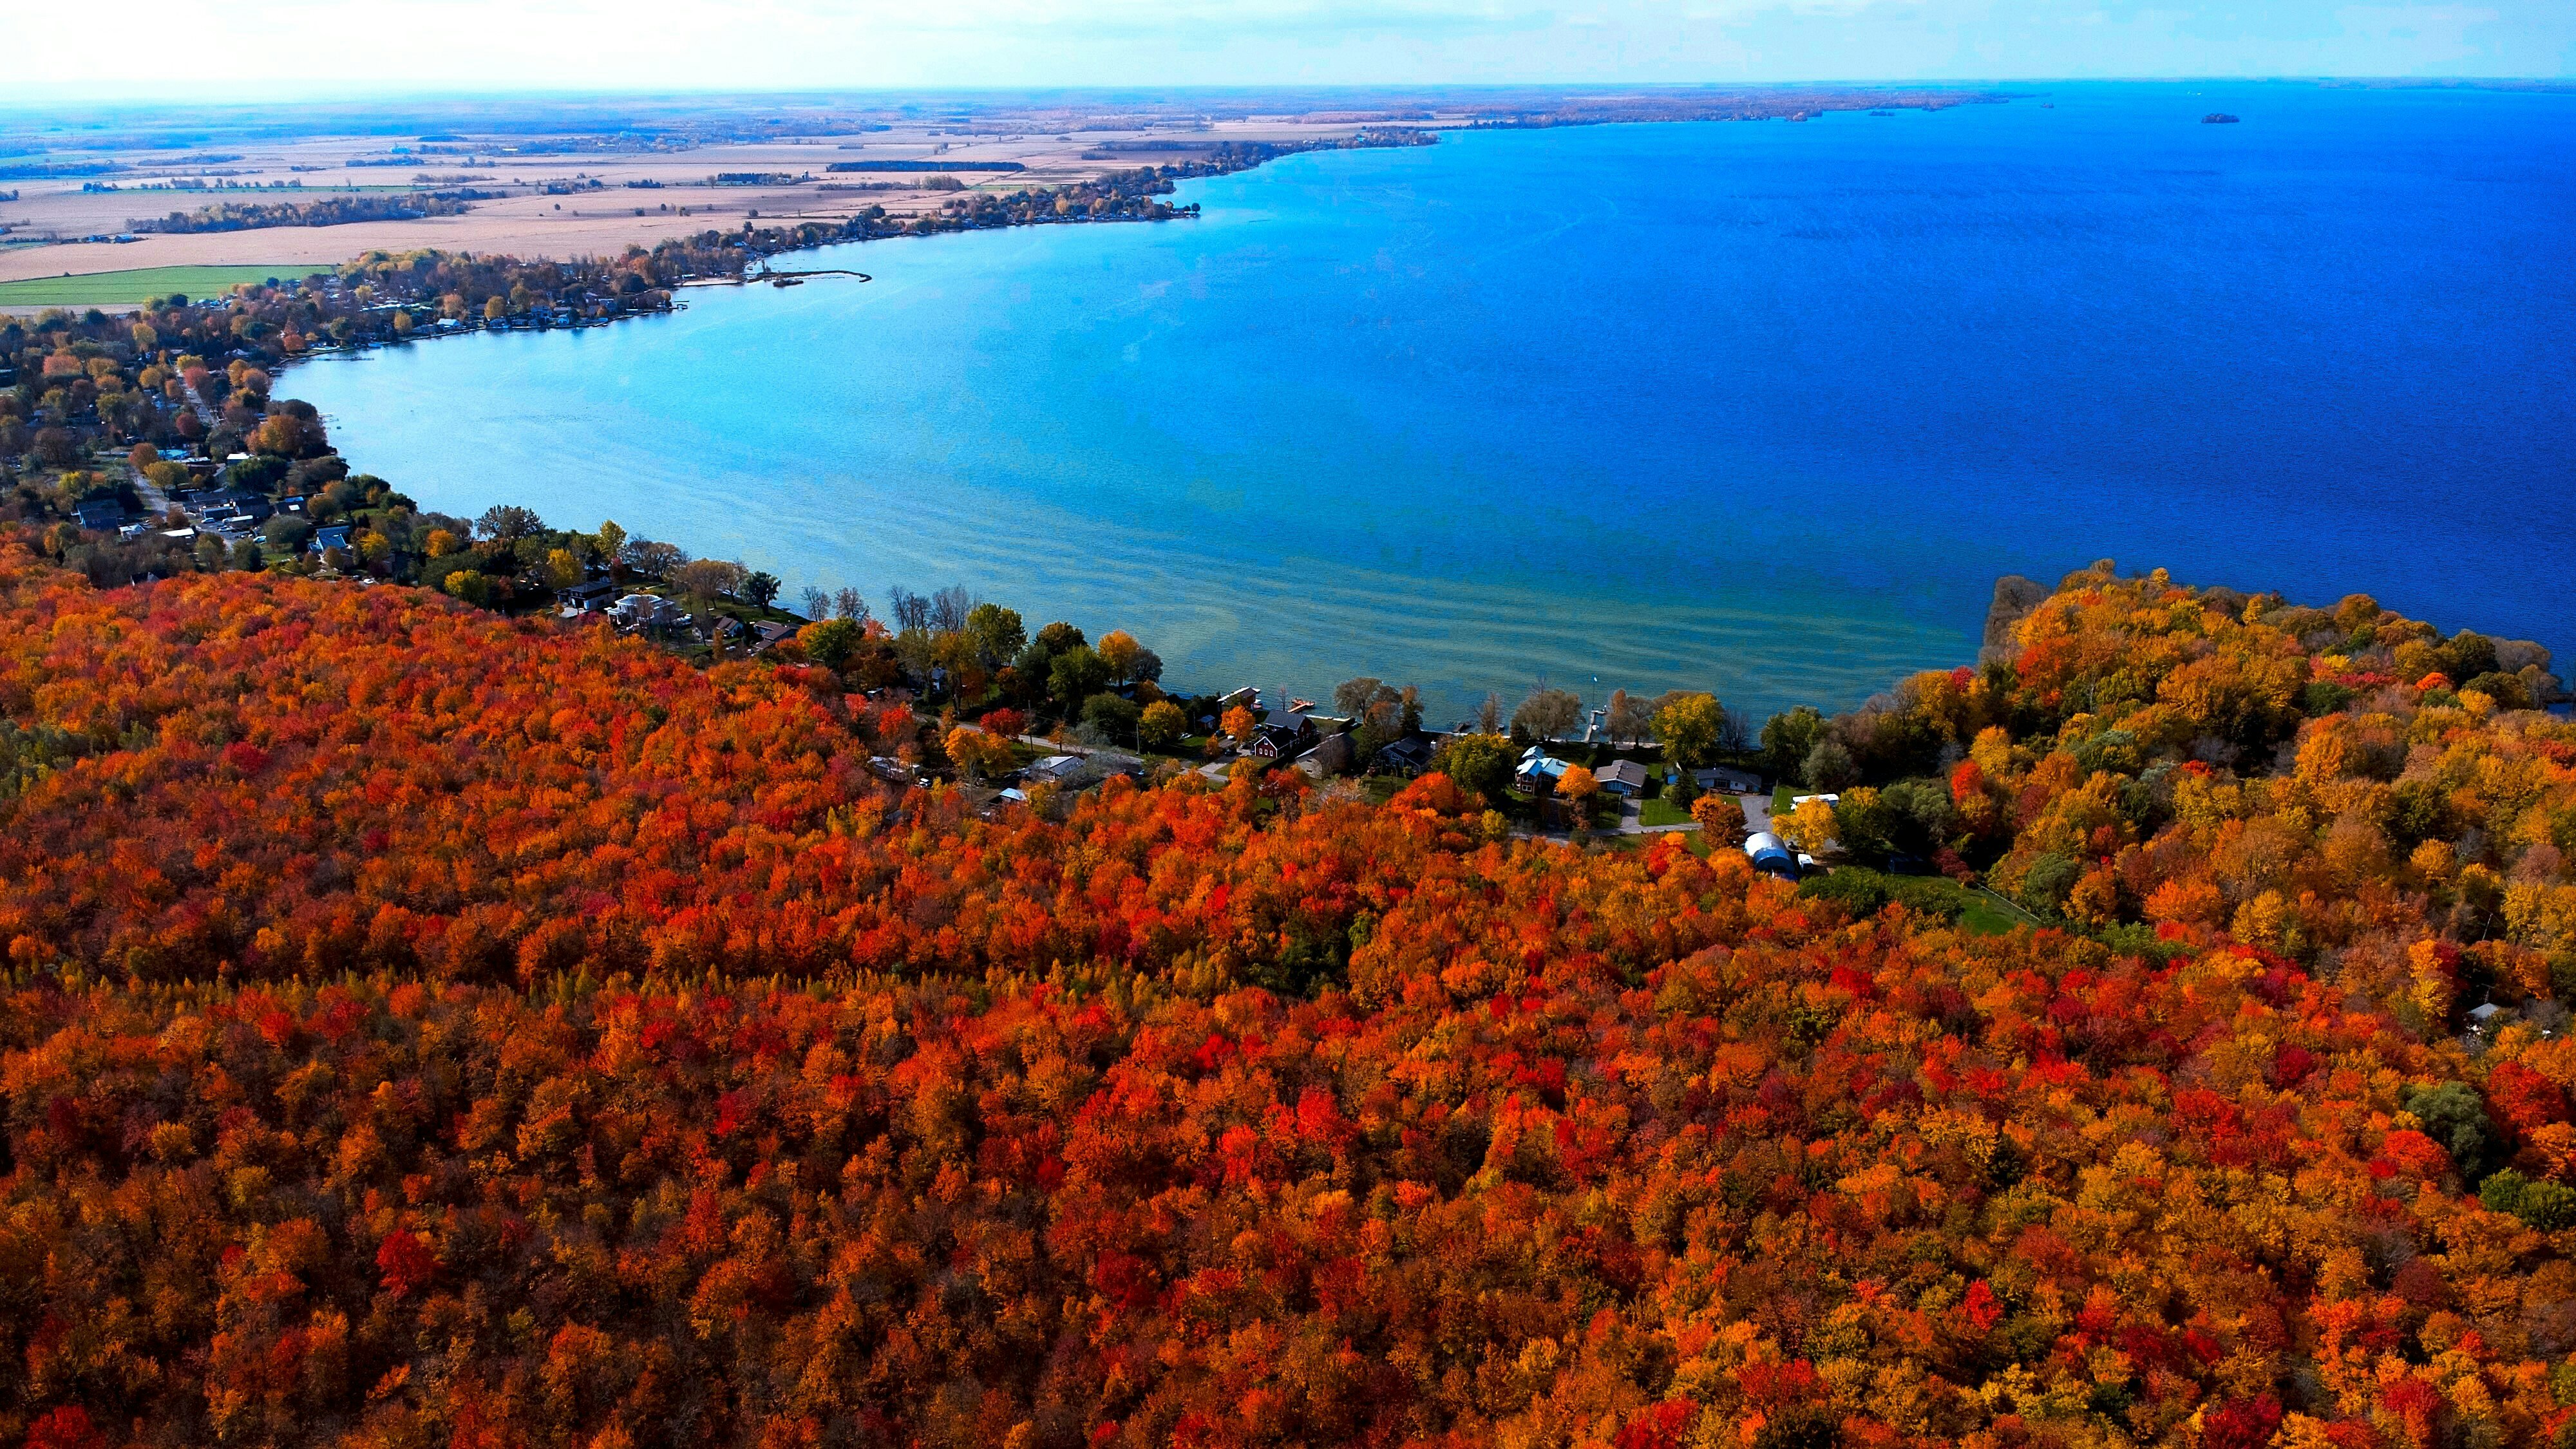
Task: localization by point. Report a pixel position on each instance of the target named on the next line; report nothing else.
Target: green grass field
(1660, 811)
(1983, 916)
(109, 289)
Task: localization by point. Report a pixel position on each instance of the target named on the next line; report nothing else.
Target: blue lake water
(1756, 407)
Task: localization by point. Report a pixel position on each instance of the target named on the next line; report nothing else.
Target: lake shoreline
(1317, 430)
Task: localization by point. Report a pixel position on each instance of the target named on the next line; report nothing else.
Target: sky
(173, 49)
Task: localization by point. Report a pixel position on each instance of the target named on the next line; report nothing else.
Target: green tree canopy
(1788, 739)
(997, 633)
(1479, 762)
(1075, 675)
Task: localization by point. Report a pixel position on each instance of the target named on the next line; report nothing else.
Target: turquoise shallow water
(1762, 408)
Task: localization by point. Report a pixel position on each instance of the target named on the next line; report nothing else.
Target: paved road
(156, 504)
(205, 414)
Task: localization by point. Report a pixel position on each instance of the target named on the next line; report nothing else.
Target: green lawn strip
(1660, 811)
(1865, 891)
(2010, 910)
(103, 289)
(1981, 918)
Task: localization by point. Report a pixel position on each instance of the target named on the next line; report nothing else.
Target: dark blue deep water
(1758, 407)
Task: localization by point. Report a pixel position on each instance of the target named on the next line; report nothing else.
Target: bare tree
(1548, 713)
(818, 604)
(949, 608)
(850, 604)
(654, 560)
(1489, 715)
(708, 579)
(1629, 717)
(910, 610)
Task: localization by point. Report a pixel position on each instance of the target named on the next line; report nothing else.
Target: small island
(2218, 118)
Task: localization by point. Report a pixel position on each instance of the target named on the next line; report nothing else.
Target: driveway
(1757, 812)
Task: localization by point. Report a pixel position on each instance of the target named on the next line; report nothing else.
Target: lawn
(1978, 911)
(106, 289)
(1660, 811)
(1982, 916)
(1989, 914)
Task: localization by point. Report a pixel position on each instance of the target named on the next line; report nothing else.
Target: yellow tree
(1689, 726)
(1162, 724)
(977, 752)
(1118, 650)
(1237, 723)
(1810, 827)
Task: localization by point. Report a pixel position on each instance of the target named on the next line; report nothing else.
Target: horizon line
(41, 96)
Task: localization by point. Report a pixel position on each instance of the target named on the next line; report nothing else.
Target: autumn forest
(425, 1027)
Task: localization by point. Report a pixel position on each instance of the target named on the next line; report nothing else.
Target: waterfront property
(1727, 780)
(1624, 778)
(587, 597)
(1538, 771)
(646, 611)
(1407, 757)
(1279, 740)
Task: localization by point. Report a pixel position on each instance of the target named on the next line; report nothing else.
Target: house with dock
(1280, 740)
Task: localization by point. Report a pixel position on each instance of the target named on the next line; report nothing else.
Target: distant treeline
(328, 211)
(925, 166)
(41, 170)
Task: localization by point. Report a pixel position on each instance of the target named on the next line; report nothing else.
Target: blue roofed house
(1538, 772)
(332, 536)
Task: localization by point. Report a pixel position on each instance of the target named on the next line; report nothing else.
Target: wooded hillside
(428, 1029)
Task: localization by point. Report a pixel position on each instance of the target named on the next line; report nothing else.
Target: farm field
(103, 289)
